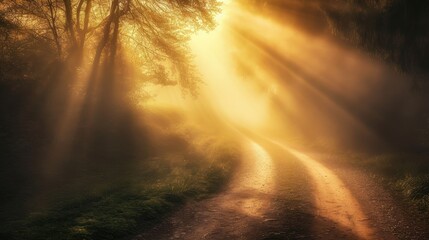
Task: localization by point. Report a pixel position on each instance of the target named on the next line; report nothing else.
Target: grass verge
(406, 173)
(138, 198)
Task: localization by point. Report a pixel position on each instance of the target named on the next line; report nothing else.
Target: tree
(394, 30)
(82, 42)
(92, 32)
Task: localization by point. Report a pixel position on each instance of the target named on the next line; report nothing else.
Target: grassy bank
(188, 164)
(405, 173)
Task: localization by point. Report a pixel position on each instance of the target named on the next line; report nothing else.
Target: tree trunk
(84, 30)
(104, 40)
(52, 22)
(69, 22)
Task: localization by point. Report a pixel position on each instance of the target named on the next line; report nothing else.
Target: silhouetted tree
(46, 47)
(158, 30)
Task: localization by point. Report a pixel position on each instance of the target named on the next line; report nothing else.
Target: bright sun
(223, 87)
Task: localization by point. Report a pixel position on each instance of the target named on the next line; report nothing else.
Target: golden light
(334, 200)
(227, 91)
(265, 73)
(255, 177)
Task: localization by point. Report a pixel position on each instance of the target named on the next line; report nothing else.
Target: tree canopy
(154, 33)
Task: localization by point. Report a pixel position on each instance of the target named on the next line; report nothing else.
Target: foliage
(407, 173)
(417, 189)
(54, 133)
(155, 33)
(394, 30)
(95, 207)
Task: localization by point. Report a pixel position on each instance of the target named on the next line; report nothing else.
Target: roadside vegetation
(115, 202)
(77, 160)
(406, 174)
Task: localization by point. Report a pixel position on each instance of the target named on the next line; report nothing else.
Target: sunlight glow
(227, 91)
(268, 72)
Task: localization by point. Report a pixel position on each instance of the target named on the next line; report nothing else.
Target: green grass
(407, 173)
(415, 188)
(136, 200)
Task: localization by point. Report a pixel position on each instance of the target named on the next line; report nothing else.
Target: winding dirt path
(282, 193)
(333, 199)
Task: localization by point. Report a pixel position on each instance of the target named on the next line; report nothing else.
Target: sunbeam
(214, 119)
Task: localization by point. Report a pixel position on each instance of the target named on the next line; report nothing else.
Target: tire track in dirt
(234, 213)
(333, 200)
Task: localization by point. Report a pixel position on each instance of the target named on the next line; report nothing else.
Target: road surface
(282, 193)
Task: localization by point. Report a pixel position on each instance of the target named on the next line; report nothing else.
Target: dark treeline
(397, 32)
(394, 30)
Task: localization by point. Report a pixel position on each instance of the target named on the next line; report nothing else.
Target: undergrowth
(406, 173)
(111, 207)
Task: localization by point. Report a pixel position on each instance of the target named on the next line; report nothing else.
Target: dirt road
(282, 193)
